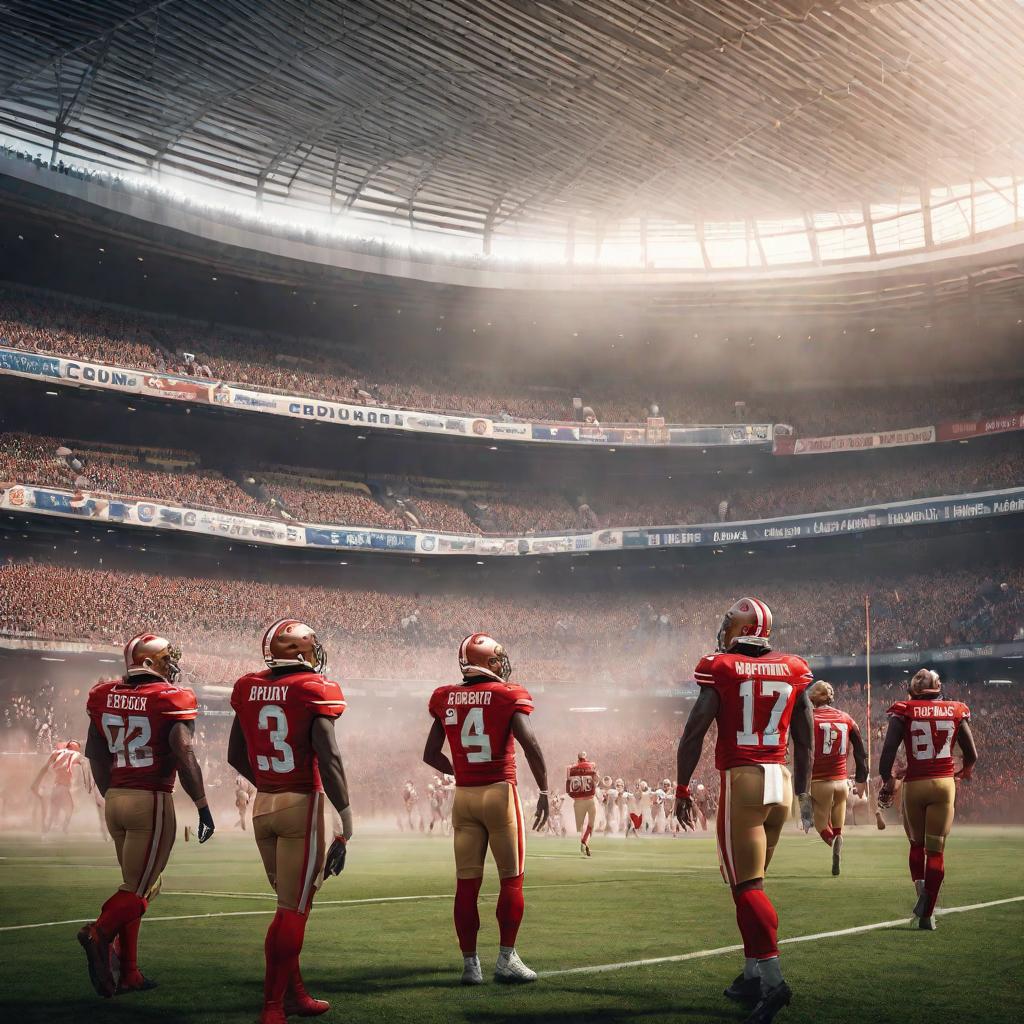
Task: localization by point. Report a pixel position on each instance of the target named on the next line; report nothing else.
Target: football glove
(540, 818)
(206, 826)
(806, 812)
(334, 863)
(684, 812)
(887, 793)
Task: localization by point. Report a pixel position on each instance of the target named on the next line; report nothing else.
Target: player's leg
(939, 811)
(469, 835)
(506, 834)
(821, 803)
(836, 821)
(297, 825)
(914, 808)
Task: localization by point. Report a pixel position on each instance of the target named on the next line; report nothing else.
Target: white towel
(774, 784)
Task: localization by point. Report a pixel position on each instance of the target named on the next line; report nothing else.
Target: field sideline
(381, 945)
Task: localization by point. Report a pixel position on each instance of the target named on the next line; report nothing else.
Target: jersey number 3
(746, 737)
(273, 720)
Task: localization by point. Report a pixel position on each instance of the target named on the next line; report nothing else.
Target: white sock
(506, 951)
(750, 969)
(771, 972)
(470, 959)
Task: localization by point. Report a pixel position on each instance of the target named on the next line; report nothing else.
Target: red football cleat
(97, 953)
(299, 1003)
(134, 981)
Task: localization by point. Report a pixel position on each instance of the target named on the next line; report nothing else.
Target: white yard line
(699, 954)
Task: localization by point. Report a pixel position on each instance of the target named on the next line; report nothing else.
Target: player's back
(276, 711)
(582, 780)
(477, 720)
(832, 729)
(62, 763)
(931, 727)
(136, 721)
(756, 700)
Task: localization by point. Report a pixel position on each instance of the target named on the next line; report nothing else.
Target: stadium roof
(483, 116)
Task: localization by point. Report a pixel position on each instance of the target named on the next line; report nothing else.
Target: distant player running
(64, 763)
(481, 718)
(754, 695)
(581, 785)
(836, 734)
(929, 727)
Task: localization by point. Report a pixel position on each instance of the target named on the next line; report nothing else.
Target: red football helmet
(748, 621)
(150, 655)
(482, 657)
(925, 683)
(289, 643)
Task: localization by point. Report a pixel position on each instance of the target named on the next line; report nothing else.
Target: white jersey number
(923, 739)
(136, 731)
(746, 737)
(831, 731)
(475, 741)
(273, 719)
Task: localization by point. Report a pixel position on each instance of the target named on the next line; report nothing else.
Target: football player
(140, 739)
(244, 790)
(481, 718)
(581, 785)
(755, 695)
(703, 805)
(64, 762)
(928, 727)
(835, 735)
(282, 740)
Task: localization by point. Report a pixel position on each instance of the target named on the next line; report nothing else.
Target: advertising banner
(961, 429)
(14, 360)
(921, 512)
(862, 442)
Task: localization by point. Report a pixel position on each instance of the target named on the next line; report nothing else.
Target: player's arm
(802, 730)
(238, 752)
(691, 743)
(332, 774)
(965, 740)
(97, 753)
(860, 761)
(891, 746)
(433, 750)
(191, 775)
(524, 734)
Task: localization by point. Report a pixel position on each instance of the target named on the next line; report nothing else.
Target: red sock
(837, 829)
(758, 923)
(282, 947)
(586, 835)
(118, 911)
(916, 862)
(828, 833)
(511, 907)
(128, 945)
(934, 873)
(467, 914)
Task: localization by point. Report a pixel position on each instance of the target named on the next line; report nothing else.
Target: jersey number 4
(475, 741)
(128, 740)
(746, 737)
(274, 721)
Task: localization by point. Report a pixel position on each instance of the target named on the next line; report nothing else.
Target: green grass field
(381, 958)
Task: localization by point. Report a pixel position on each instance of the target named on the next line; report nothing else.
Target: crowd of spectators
(614, 636)
(807, 486)
(47, 323)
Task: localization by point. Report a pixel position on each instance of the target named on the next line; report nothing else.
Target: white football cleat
(511, 970)
(472, 973)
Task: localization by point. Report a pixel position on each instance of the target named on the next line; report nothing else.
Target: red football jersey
(581, 783)
(832, 731)
(477, 719)
(136, 721)
(756, 697)
(930, 730)
(276, 713)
